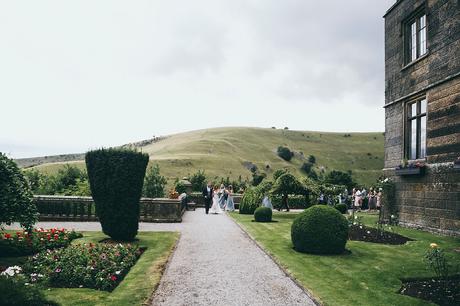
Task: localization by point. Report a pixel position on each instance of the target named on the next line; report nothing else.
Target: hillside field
(223, 152)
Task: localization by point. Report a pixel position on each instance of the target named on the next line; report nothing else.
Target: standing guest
(364, 199)
(208, 194)
(358, 199)
(266, 202)
(379, 199)
(222, 196)
(230, 206)
(372, 199)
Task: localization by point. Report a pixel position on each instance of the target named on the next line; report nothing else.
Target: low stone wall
(430, 201)
(70, 208)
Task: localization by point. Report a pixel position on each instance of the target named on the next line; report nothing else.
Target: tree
(339, 178)
(278, 173)
(285, 153)
(306, 167)
(312, 159)
(116, 177)
(288, 184)
(15, 196)
(257, 178)
(154, 183)
(198, 180)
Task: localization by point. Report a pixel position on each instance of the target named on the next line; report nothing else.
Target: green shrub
(250, 201)
(342, 208)
(198, 180)
(180, 187)
(154, 183)
(116, 177)
(257, 178)
(15, 196)
(312, 159)
(15, 292)
(320, 230)
(285, 153)
(263, 214)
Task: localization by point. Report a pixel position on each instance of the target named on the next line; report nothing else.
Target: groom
(207, 194)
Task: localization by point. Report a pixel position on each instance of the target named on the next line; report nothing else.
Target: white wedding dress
(215, 208)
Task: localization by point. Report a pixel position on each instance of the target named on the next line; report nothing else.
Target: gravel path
(215, 263)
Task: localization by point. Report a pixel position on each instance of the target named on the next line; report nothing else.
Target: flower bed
(369, 234)
(27, 243)
(442, 291)
(99, 266)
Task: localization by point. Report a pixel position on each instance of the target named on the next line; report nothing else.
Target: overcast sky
(82, 74)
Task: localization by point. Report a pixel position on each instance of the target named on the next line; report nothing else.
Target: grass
(222, 151)
(370, 275)
(137, 286)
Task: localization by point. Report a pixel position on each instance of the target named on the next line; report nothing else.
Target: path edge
(280, 266)
(149, 301)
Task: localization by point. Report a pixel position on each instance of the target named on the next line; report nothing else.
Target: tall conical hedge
(116, 177)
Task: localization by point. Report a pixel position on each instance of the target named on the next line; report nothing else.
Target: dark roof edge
(392, 7)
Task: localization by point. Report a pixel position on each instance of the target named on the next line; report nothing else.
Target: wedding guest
(372, 199)
(208, 196)
(358, 199)
(222, 196)
(379, 199)
(230, 206)
(215, 208)
(266, 202)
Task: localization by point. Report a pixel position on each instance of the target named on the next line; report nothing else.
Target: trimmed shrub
(336, 177)
(250, 201)
(263, 214)
(342, 208)
(116, 177)
(306, 167)
(15, 195)
(320, 230)
(285, 153)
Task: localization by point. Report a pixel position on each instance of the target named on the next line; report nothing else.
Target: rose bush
(31, 242)
(99, 266)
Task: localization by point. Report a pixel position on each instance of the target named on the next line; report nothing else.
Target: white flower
(354, 223)
(356, 217)
(368, 232)
(392, 216)
(27, 284)
(117, 272)
(81, 286)
(360, 227)
(390, 228)
(11, 271)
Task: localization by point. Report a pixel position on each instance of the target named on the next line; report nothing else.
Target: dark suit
(207, 198)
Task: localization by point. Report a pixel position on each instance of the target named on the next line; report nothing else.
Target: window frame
(408, 119)
(408, 37)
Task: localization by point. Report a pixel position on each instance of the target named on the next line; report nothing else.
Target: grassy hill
(226, 152)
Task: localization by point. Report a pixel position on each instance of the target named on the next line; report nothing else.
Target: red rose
(7, 236)
(113, 278)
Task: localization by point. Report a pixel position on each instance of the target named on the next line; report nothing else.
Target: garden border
(305, 290)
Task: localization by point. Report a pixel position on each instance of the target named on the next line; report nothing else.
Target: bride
(215, 208)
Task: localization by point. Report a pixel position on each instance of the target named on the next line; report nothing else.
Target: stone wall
(70, 208)
(443, 43)
(432, 200)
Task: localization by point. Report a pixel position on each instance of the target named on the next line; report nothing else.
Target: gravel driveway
(215, 263)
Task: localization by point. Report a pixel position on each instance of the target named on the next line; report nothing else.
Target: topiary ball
(320, 230)
(342, 208)
(263, 214)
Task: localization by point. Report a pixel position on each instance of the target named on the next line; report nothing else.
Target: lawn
(370, 275)
(138, 284)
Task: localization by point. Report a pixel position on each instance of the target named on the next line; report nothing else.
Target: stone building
(422, 112)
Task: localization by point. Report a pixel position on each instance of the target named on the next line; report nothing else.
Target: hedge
(116, 177)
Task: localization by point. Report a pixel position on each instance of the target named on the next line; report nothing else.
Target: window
(416, 129)
(416, 41)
